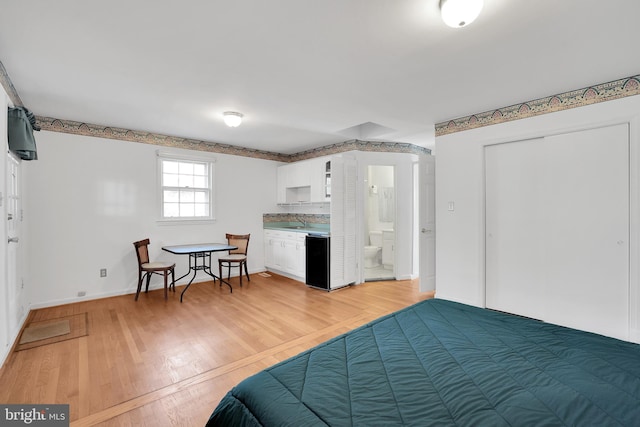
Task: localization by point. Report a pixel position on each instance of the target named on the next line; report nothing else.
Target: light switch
(451, 206)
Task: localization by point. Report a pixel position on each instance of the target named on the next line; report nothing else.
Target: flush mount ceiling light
(232, 119)
(460, 13)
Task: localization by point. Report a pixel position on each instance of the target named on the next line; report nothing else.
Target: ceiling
(305, 73)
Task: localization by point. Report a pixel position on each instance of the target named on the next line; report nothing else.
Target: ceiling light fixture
(232, 119)
(460, 13)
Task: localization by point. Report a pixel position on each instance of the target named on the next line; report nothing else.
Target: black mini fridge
(317, 261)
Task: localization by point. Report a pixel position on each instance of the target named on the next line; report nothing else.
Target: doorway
(380, 218)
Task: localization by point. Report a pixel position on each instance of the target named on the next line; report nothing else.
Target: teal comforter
(440, 363)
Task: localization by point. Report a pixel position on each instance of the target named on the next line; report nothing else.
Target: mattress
(443, 363)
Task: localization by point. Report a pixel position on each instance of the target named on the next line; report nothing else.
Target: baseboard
(428, 284)
(88, 297)
(128, 291)
(441, 295)
(9, 349)
(290, 276)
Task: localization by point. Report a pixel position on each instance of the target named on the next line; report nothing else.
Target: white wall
(460, 254)
(90, 198)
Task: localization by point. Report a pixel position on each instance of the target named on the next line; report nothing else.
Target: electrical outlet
(103, 272)
(82, 293)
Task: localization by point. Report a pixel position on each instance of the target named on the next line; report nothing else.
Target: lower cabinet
(285, 252)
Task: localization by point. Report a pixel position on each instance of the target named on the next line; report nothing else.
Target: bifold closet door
(557, 224)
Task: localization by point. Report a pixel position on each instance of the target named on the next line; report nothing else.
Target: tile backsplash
(293, 217)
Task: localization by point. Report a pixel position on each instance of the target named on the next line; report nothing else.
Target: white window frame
(209, 161)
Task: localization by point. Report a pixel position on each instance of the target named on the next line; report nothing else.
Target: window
(186, 187)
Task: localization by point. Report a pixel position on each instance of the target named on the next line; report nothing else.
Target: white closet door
(514, 247)
(588, 234)
(557, 224)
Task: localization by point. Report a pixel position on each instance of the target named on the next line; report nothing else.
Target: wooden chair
(146, 268)
(236, 257)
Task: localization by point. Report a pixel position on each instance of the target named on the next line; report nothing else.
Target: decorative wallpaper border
(6, 83)
(577, 98)
(359, 145)
(86, 129)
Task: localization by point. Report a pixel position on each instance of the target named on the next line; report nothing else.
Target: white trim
(210, 162)
(185, 221)
(131, 290)
(203, 157)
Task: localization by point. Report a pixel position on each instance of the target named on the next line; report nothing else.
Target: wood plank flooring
(161, 363)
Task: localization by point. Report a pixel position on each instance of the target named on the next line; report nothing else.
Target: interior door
(515, 255)
(344, 179)
(427, 223)
(13, 220)
(557, 229)
(588, 270)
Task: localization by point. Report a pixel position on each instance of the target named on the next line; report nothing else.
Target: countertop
(322, 229)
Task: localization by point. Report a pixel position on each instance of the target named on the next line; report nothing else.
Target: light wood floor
(161, 363)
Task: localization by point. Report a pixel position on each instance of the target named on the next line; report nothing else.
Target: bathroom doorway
(380, 216)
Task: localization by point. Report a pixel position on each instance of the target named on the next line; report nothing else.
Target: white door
(427, 223)
(13, 220)
(515, 205)
(557, 229)
(589, 274)
(344, 179)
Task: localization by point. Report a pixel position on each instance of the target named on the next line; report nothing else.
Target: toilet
(373, 252)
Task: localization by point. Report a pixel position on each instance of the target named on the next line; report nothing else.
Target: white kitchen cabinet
(321, 179)
(298, 175)
(304, 182)
(300, 256)
(273, 250)
(285, 252)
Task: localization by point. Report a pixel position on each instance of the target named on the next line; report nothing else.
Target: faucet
(302, 221)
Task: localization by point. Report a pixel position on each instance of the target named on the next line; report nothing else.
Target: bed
(443, 363)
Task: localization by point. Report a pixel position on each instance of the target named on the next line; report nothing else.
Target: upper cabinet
(308, 181)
